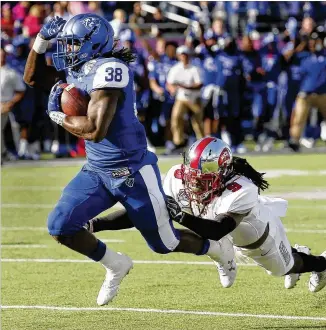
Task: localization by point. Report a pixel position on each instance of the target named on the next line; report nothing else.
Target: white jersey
(240, 197)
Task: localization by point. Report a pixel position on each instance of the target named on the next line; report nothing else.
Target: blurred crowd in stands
(231, 69)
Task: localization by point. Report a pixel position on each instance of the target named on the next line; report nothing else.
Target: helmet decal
(225, 157)
(92, 24)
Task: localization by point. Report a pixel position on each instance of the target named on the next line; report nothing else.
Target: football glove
(54, 107)
(52, 28)
(174, 209)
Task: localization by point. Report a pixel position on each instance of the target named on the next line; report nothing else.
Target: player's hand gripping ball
(74, 101)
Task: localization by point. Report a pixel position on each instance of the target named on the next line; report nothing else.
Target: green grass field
(45, 287)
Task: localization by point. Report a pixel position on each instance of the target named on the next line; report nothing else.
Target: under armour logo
(231, 266)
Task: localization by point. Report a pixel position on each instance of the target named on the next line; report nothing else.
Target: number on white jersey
(111, 74)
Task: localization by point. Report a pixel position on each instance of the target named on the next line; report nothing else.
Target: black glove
(174, 209)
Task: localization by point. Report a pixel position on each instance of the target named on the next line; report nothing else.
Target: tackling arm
(101, 110)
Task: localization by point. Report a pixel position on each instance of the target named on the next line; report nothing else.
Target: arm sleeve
(111, 75)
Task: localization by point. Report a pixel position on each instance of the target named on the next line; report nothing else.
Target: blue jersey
(271, 63)
(209, 68)
(313, 71)
(158, 70)
(228, 70)
(124, 148)
(250, 62)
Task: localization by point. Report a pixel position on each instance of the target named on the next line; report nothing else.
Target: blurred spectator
(307, 26)
(162, 102)
(34, 21)
(95, 8)
(206, 60)
(312, 89)
(185, 81)
(228, 95)
(12, 92)
(272, 65)
(138, 16)
(255, 91)
(7, 20)
(20, 10)
(75, 7)
(118, 22)
(293, 53)
(58, 10)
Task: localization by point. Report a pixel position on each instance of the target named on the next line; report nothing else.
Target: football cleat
(317, 280)
(114, 275)
(291, 280)
(227, 272)
(222, 253)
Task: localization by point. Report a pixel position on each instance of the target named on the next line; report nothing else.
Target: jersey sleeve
(111, 75)
(169, 185)
(239, 197)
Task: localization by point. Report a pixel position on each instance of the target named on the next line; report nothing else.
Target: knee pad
(59, 221)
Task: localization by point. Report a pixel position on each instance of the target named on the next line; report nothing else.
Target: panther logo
(92, 24)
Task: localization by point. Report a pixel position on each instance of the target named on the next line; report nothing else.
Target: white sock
(109, 259)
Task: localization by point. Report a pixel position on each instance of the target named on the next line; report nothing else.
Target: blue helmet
(91, 34)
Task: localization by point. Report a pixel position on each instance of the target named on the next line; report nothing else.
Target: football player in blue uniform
(162, 101)
(119, 167)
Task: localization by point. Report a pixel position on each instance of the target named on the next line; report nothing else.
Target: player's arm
(100, 112)
(37, 72)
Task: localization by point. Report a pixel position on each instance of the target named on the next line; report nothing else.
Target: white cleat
(222, 253)
(290, 281)
(317, 280)
(227, 273)
(114, 275)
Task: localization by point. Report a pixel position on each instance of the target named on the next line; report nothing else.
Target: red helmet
(207, 163)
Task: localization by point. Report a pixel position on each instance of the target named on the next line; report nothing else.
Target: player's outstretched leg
(317, 280)
(82, 199)
(291, 280)
(304, 263)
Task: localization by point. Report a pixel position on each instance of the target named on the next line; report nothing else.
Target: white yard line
(141, 262)
(23, 246)
(168, 311)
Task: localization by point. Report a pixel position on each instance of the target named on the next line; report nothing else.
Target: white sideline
(142, 262)
(168, 311)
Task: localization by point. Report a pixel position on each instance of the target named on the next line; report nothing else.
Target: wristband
(57, 117)
(40, 45)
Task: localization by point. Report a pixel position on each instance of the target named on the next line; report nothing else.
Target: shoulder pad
(110, 73)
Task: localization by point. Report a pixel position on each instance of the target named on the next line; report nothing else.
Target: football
(74, 101)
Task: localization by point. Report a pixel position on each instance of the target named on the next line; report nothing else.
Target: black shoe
(294, 146)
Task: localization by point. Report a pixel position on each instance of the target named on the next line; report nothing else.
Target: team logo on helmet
(224, 157)
(92, 23)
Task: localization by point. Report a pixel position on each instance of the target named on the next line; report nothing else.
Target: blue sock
(99, 252)
(205, 248)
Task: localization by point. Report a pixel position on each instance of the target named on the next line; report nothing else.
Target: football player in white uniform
(217, 195)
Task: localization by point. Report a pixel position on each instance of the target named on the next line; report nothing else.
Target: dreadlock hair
(242, 167)
(123, 54)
